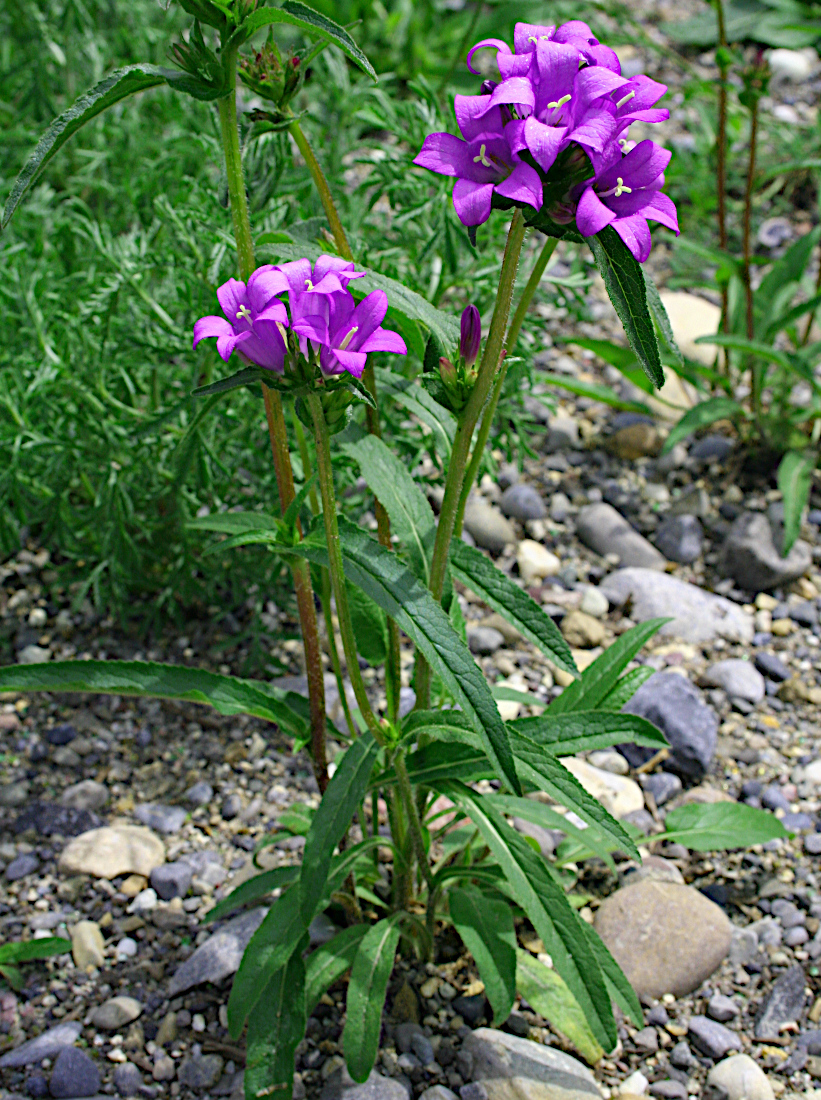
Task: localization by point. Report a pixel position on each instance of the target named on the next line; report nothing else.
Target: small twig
(657, 758)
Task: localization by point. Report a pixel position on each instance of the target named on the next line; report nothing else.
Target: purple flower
(471, 335)
(253, 321)
(625, 193)
(483, 163)
(342, 332)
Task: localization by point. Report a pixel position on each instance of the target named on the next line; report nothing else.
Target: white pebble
(145, 901)
(126, 948)
(198, 1022)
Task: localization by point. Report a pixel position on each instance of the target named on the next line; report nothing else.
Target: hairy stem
(721, 164)
(321, 184)
(755, 371)
(464, 433)
(406, 793)
(276, 429)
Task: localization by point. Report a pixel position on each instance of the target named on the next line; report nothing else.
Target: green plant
(12, 954)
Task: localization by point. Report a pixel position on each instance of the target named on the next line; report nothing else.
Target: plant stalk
(338, 233)
(721, 164)
(464, 433)
(755, 372)
(276, 429)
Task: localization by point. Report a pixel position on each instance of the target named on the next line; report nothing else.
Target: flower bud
(471, 335)
(447, 371)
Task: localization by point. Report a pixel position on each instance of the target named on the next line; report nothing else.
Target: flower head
(254, 322)
(343, 333)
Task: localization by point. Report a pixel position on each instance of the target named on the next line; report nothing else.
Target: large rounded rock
(488, 526)
(741, 1078)
(112, 851)
(606, 531)
(666, 938)
(676, 707)
(751, 558)
(512, 1068)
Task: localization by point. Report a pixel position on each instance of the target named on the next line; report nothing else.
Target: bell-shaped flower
(482, 163)
(470, 334)
(344, 333)
(254, 321)
(625, 193)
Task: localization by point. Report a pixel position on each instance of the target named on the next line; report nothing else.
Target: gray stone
(669, 1090)
(88, 795)
(721, 1008)
(750, 556)
(438, 1092)
(25, 864)
(403, 1036)
(744, 946)
(562, 435)
(667, 938)
(662, 786)
(484, 640)
(559, 507)
(738, 678)
(694, 501)
(606, 531)
(127, 1079)
(48, 819)
(741, 1079)
(507, 475)
(61, 734)
(513, 1068)
(487, 526)
(522, 502)
(340, 1086)
(422, 1048)
(675, 707)
(47, 1045)
(200, 794)
(164, 819)
(543, 837)
(201, 1071)
(14, 794)
(712, 1038)
(783, 1004)
(231, 806)
(219, 956)
(680, 538)
(172, 880)
(771, 666)
(116, 1013)
(712, 448)
(594, 602)
(74, 1075)
(697, 616)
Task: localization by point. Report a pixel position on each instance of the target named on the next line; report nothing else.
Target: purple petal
(314, 327)
(635, 233)
(475, 115)
(544, 142)
(352, 361)
(526, 35)
(591, 214)
(472, 201)
(646, 93)
(366, 318)
(226, 343)
(643, 165)
(343, 269)
(266, 347)
(515, 64)
(265, 283)
(231, 297)
(274, 311)
(297, 273)
(595, 81)
(558, 66)
(515, 134)
(572, 30)
(523, 185)
(501, 46)
(382, 339)
(594, 130)
(602, 57)
(662, 209)
(517, 89)
(211, 326)
(444, 153)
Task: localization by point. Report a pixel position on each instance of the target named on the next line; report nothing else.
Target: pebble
(559, 508)
(738, 678)
(163, 819)
(74, 1075)
(47, 1045)
(793, 65)
(510, 1066)
(126, 948)
(606, 531)
(231, 807)
(172, 880)
(22, 865)
(116, 1013)
(48, 818)
(741, 1078)
(543, 837)
(201, 1071)
(609, 761)
(594, 602)
(562, 434)
(127, 1079)
(487, 526)
(750, 556)
(680, 538)
(484, 640)
(522, 502)
(87, 795)
(635, 441)
(667, 938)
(783, 1004)
(582, 631)
(662, 786)
(712, 1038)
(771, 666)
(200, 794)
(535, 561)
(636, 1084)
(164, 1068)
(33, 655)
(219, 956)
(87, 945)
(697, 616)
(676, 707)
(617, 793)
(340, 1086)
(721, 1008)
(112, 851)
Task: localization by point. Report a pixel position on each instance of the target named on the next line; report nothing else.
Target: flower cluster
(561, 94)
(327, 324)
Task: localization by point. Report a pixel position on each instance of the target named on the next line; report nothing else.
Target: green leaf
(600, 677)
(720, 825)
(626, 688)
(26, 951)
(545, 903)
(784, 320)
(118, 85)
(370, 627)
(617, 355)
(706, 412)
(594, 391)
(314, 23)
(584, 731)
(419, 402)
(252, 890)
(367, 988)
(411, 516)
(329, 962)
(331, 820)
(754, 347)
(795, 481)
(486, 927)
(248, 376)
(443, 760)
(620, 990)
(539, 814)
(548, 995)
(13, 976)
(660, 318)
(498, 591)
(275, 1029)
(225, 694)
(234, 523)
(384, 577)
(788, 269)
(627, 289)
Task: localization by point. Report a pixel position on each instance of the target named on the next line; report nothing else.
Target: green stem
(340, 240)
(755, 371)
(276, 428)
(489, 414)
(406, 792)
(721, 165)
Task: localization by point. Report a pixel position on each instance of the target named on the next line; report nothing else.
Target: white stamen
(622, 188)
(626, 99)
(482, 158)
(244, 314)
(309, 285)
(350, 335)
(533, 38)
(624, 142)
(559, 102)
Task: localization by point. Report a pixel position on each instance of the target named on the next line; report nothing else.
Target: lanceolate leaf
(252, 890)
(584, 731)
(389, 582)
(504, 595)
(548, 994)
(329, 962)
(486, 927)
(601, 676)
(314, 23)
(411, 515)
(345, 791)
(418, 401)
(710, 828)
(660, 318)
(225, 694)
(547, 907)
(248, 376)
(594, 391)
(444, 760)
(706, 412)
(794, 481)
(118, 85)
(626, 688)
(625, 285)
(539, 814)
(620, 990)
(275, 1029)
(366, 997)
(34, 949)
(370, 627)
